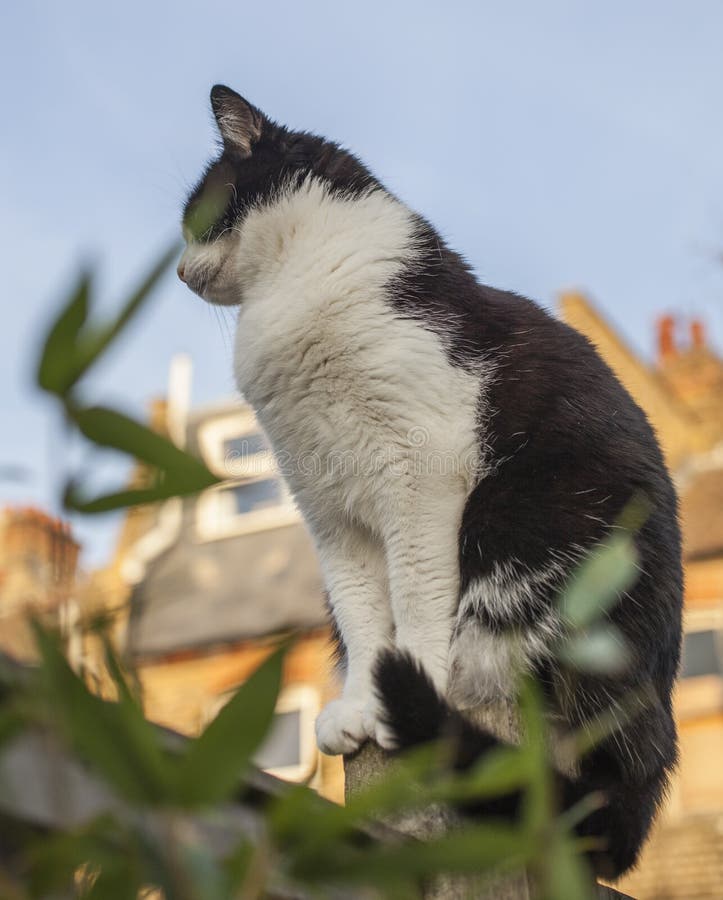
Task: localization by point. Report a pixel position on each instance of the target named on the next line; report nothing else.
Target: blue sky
(556, 144)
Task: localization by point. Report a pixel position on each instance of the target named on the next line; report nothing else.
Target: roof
(247, 586)
(679, 430)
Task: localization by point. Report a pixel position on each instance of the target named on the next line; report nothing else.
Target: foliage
(173, 822)
(71, 347)
(170, 800)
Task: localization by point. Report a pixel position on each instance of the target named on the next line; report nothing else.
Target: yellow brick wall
(181, 692)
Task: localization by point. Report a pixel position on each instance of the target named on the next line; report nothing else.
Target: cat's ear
(239, 122)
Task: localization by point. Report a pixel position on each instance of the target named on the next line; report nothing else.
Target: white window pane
(700, 654)
(244, 445)
(283, 745)
(256, 495)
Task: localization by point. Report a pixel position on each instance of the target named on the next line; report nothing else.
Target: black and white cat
(455, 452)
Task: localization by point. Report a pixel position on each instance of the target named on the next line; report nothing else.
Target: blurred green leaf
(600, 579)
(56, 858)
(621, 710)
(57, 364)
(499, 772)
(11, 722)
(299, 816)
(474, 849)
(207, 210)
(129, 689)
(538, 805)
(575, 814)
(237, 865)
(178, 473)
(72, 345)
(600, 650)
(109, 428)
(115, 881)
(211, 767)
(97, 340)
(567, 874)
(636, 512)
(115, 738)
(76, 501)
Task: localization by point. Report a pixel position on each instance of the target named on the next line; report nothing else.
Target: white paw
(342, 726)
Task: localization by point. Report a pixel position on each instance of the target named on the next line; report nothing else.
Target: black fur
(416, 714)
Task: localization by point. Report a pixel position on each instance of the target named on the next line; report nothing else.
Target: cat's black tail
(414, 713)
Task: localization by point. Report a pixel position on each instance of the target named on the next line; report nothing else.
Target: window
(289, 751)
(702, 653)
(244, 507)
(282, 748)
(255, 497)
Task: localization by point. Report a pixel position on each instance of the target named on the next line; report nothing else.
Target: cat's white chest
(351, 395)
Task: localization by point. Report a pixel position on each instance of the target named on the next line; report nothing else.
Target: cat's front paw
(342, 726)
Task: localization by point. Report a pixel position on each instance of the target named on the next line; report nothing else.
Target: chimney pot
(666, 338)
(697, 334)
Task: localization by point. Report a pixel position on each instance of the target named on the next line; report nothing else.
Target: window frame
(301, 697)
(214, 519)
(212, 435)
(305, 699)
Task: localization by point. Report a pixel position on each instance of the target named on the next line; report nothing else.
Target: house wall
(38, 575)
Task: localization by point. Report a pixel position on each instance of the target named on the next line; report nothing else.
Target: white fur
(484, 665)
(509, 588)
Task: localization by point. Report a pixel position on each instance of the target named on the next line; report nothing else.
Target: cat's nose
(181, 271)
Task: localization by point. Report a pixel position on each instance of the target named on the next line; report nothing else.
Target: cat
(455, 451)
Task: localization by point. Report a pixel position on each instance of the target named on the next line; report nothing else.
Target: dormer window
(254, 497)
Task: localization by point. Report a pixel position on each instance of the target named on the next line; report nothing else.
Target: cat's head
(257, 159)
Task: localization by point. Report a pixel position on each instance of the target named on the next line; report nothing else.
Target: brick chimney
(697, 335)
(667, 348)
(38, 559)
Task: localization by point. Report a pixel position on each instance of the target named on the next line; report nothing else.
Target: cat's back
(547, 379)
